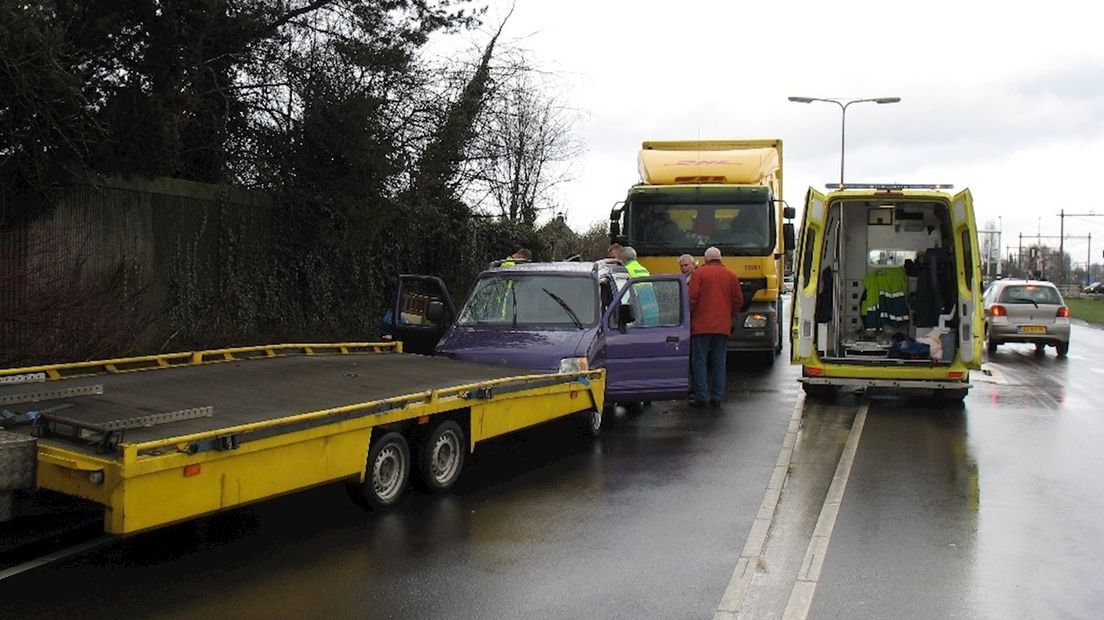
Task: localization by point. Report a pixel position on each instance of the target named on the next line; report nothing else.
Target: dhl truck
(887, 291)
(725, 193)
(165, 438)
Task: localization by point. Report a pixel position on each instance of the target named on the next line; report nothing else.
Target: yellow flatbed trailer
(166, 438)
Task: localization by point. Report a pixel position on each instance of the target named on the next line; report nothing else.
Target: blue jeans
(708, 350)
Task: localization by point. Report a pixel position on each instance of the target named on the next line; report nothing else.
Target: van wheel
(441, 456)
(1063, 348)
(386, 473)
(823, 393)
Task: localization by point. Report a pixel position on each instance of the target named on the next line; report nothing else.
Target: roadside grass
(1091, 310)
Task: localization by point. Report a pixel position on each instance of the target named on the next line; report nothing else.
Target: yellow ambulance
(887, 291)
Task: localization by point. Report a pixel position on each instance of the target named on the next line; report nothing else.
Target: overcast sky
(1006, 98)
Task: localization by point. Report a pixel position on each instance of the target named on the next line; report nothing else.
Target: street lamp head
(887, 100)
(801, 99)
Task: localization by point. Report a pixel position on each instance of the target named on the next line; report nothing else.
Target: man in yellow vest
(523, 255)
(649, 304)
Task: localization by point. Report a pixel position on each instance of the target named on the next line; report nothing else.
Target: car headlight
(574, 364)
(755, 321)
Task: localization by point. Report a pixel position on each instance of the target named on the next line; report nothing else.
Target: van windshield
(529, 300)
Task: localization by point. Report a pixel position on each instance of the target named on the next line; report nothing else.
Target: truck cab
(694, 194)
(558, 317)
(888, 291)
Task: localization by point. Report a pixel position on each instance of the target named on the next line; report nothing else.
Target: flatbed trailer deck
(162, 439)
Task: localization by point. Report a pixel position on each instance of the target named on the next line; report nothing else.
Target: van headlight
(755, 321)
(574, 364)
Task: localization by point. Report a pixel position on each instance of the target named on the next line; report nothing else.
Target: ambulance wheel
(952, 397)
(825, 393)
(441, 456)
(386, 473)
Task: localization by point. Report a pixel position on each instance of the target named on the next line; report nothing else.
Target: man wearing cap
(715, 298)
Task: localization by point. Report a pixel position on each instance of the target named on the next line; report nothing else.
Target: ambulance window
(968, 258)
(807, 256)
(888, 257)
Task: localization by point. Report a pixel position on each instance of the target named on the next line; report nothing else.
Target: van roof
(563, 267)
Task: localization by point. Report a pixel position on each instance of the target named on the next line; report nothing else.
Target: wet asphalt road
(993, 510)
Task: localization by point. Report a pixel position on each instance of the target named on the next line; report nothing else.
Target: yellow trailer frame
(148, 484)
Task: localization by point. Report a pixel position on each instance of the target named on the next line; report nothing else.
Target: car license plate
(1032, 329)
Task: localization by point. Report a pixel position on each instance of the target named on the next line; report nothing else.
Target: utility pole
(1062, 247)
(1063, 215)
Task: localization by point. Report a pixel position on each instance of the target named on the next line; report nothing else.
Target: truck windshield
(528, 300)
(737, 229)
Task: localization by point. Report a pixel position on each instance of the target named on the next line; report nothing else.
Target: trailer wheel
(386, 473)
(441, 456)
(590, 422)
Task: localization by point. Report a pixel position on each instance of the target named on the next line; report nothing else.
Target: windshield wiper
(567, 308)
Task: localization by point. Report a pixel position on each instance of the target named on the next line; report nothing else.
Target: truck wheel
(441, 456)
(590, 422)
(386, 473)
(823, 393)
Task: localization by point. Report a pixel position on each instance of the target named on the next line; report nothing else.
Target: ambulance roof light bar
(889, 186)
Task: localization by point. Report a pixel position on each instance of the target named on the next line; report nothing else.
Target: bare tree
(525, 146)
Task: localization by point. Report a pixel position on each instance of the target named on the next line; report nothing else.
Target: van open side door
(647, 357)
(970, 327)
(422, 312)
(807, 278)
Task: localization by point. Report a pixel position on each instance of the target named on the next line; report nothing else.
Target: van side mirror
(789, 213)
(625, 315)
(788, 236)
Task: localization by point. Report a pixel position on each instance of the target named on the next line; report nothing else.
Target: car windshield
(528, 300)
(1030, 294)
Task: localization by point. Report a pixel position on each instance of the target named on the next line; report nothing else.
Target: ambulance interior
(887, 291)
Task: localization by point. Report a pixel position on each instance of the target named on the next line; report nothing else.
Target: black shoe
(697, 404)
(715, 404)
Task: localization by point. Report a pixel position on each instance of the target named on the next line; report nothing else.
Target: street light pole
(843, 105)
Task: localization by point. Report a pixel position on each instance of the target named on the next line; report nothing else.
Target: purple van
(558, 317)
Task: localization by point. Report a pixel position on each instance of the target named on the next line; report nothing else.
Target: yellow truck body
(694, 194)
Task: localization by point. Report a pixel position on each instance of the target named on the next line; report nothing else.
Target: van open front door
(646, 334)
(971, 325)
(806, 278)
(421, 313)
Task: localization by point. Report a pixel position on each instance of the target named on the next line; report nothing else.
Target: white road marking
(801, 596)
(737, 589)
(53, 557)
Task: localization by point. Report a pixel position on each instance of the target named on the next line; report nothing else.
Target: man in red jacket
(715, 298)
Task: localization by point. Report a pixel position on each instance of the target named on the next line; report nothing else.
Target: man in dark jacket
(715, 298)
